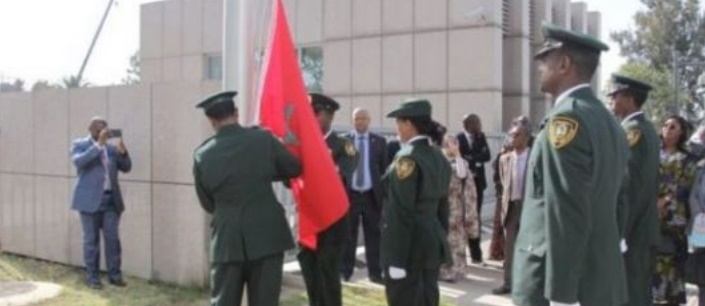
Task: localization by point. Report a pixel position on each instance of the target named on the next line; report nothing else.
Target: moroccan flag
(286, 111)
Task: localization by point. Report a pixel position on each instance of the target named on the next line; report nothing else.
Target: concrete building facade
(464, 55)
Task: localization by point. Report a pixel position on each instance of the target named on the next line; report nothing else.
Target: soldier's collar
(328, 134)
(417, 138)
(570, 91)
(632, 115)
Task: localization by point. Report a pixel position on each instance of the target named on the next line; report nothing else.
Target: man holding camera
(98, 199)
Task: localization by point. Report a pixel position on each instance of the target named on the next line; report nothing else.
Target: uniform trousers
(321, 271)
(418, 288)
(263, 278)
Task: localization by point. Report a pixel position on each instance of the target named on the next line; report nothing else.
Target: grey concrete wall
(164, 230)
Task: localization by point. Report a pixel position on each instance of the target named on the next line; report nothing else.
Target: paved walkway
(26, 293)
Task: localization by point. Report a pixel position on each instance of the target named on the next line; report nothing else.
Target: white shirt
(518, 179)
(461, 167)
(468, 136)
(634, 114)
(105, 160)
(571, 90)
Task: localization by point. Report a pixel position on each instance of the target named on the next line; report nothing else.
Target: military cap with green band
(412, 107)
(556, 38)
(622, 82)
(216, 103)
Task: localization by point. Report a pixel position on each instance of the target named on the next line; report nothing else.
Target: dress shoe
(95, 286)
(377, 280)
(502, 290)
(118, 283)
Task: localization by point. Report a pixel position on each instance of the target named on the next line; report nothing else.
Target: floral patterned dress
(676, 179)
(463, 222)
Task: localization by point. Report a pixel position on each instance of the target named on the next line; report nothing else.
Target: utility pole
(79, 76)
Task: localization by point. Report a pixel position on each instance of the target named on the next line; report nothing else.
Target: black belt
(107, 192)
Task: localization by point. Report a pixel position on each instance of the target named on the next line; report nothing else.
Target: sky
(48, 39)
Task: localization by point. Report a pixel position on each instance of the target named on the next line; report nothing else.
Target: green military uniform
(637, 210)
(233, 173)
(567, 250)
(415, 217)
(321, 268)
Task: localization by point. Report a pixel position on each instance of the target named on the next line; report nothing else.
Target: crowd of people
(595, 208)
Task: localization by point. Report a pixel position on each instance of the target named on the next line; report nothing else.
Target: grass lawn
(145, 293)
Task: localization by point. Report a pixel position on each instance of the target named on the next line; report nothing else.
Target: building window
(311, 60)
(213, 67)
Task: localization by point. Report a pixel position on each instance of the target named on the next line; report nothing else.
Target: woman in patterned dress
(463, 221)
(676, 178)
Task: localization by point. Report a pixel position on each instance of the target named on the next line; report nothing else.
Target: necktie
(360, 177)
(104, 160)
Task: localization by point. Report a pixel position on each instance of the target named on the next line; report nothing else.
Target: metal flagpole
(235, 72)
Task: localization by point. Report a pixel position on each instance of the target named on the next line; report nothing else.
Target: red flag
(285, 109)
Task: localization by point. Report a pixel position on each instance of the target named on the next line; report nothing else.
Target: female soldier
(415, 214)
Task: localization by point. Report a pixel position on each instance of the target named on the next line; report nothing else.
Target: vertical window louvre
(506, 6)
(532, 21)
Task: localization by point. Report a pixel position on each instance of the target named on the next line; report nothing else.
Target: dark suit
(233, 173)
(321, 268)
(476, 153)
(366, 202)
(100, 205)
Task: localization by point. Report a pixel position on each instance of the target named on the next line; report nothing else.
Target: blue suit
(100, 206)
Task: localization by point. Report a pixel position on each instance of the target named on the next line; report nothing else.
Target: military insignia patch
(350, 148)
(404, 167)
(561, 131)
(633, 136)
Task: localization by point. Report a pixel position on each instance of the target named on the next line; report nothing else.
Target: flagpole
(235, 54)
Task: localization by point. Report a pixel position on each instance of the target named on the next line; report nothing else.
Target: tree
(43, 85)
(17, 85)
(73, 81)
(668, 30)
(133, 72)
(661, 98)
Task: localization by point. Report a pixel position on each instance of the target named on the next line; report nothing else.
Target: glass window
(214, 67)
(311, 60)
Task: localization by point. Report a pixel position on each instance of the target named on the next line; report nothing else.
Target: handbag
(697, 234)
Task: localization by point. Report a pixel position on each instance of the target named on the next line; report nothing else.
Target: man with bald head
(365, 191)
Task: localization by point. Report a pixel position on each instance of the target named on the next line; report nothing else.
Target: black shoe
(377, 280)
(118, 283)
(95, 285)
(478, 262)
(502, 290)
